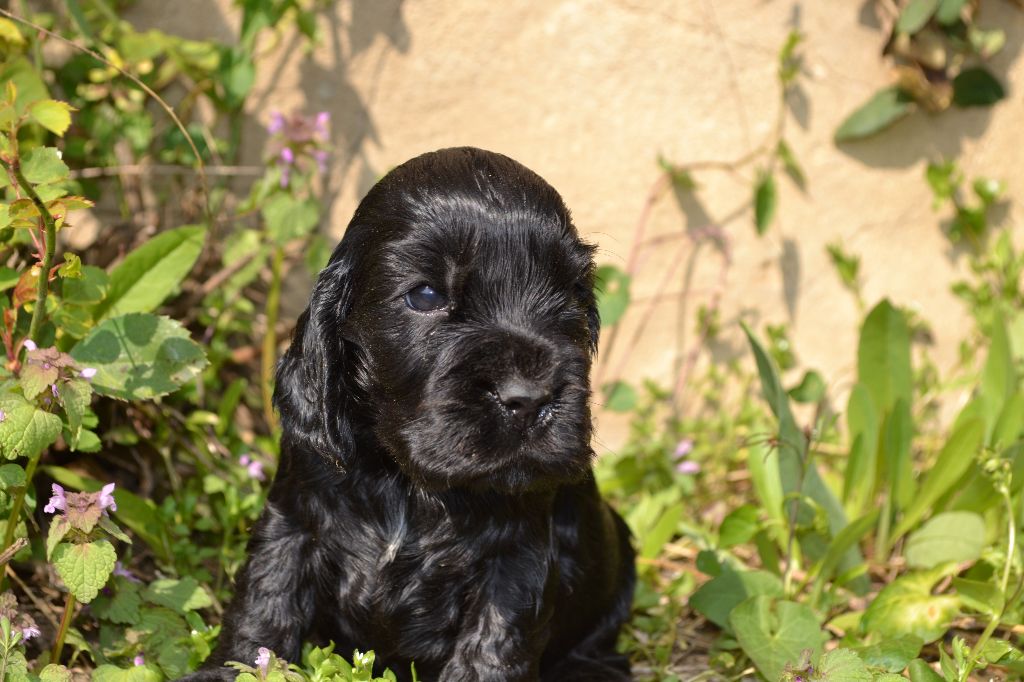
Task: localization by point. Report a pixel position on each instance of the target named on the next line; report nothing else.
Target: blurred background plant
(780, 533)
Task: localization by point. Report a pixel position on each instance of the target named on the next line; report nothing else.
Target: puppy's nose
(523, 399)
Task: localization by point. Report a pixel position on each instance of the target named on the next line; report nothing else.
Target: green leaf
(776, 633)
(25, 430)
(980, 596)
(880, 112)
(75, 396)
(181, 595)
(612, 285)
(791, 165)
(717, 598)
(12, 477)
(998, 378)
(891, 654)
(977, 88)
(288, 217)
(861, 465)
(89, 289)
(53, 115)
(139, 356)
(84, 568)
(123, 607)
(43, 166)
(839, 546)
(883, 357)
(137, 673)
(54, 673)
(906, 606)
(953, 461)
(810, 390)
(740, 526)
(152, 272)
(619, 396)
(8, 277)
(58, 530)
(920, 671)
(765, 199)
(843, 665)
(915, 15)
(949, 11)
(951, 536)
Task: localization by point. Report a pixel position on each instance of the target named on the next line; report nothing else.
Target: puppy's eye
(425, 298)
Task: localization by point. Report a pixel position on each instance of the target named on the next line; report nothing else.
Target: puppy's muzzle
(524, 402)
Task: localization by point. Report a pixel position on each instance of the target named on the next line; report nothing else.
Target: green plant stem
(882, 548)
(19, 501)
(49, 246)
(65, 622)
(1011, 540)
(270, 338)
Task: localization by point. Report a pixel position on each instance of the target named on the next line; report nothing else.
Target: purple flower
(322, 119)
(684, 447)
(276, 124)
(88, 373)
(57, 500)
(139, 660)
(253, 467)
(29, 632)
(120, 570)
(107, 498)
(263, 660)
(53, 390)
(321, 159)
(688, 467)
(3, 416)
(287, 155)
(30, 344)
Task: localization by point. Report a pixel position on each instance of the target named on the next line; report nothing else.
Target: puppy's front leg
(274, 601)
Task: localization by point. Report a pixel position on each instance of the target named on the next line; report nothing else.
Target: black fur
(416, 512)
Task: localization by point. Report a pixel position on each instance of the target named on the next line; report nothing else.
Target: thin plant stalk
(65, 623)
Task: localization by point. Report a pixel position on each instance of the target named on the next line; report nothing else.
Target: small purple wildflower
(120, 570)
(139, 660)
(276, 124)
(57, 500)
(684, 447)
(688, 467)
(253, 467)
(29, 632)
(88, 373)
(107, 498)
(53, 390)
(287, 155)
(30, 344)
(322, 120)
(263, 660)
(3, 416)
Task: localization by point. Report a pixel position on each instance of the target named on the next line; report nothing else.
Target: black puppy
(435, 500)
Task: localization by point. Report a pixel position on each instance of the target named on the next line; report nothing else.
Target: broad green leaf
(75, 396)
(43, 165)
(977, 88)
(12, 477)
(811, 388)
(8, 277)
(181, 595)
(953, 461)
(85, 568)
(23, 74)
(915, 15)
(139, 356)
(880, 112)
(152, 272)
(89, 289)
(763, 464)
(920, 671)
(775, 633)
(906, 606)
(619, 396)
(896, 464)
(135, 512)
(839, 546)
(951, 536)
(949, 11)
(122, 607)
(862, 424)
(980, 596)
(843, 665)
(288, 217)
(765, 200)
(998, 378)
(54, 673)
(891, 654)
(717, 598)
(612, 285)
(25, 430)
(739, 526)
(137, 673)
(53, 115)
(1008, 426)
(883, 357)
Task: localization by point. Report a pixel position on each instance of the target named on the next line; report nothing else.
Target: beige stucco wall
(589, 92)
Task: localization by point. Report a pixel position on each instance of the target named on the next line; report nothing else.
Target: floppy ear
(310, 388)
(589, 299)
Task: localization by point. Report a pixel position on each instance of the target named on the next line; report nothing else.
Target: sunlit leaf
(880, 112)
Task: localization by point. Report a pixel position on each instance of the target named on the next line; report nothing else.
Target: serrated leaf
(776, 633)
(612, 285)
(36, 377)
(891, 654)
(54, 673)
(956, 536)
(843, 665)
(43, 165)
(25, 430)
(765, 199)
(915, 15)
(85, 568)
(181, 595)
(12, 477)
(137, 673)
(881, 111)
(53, 115)
(139, 356)
(288, 217)
(977, 88)
(152, 272)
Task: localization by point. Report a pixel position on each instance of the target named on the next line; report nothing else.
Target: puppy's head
(455, 323)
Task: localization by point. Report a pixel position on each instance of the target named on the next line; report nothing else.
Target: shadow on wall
(927, 136)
